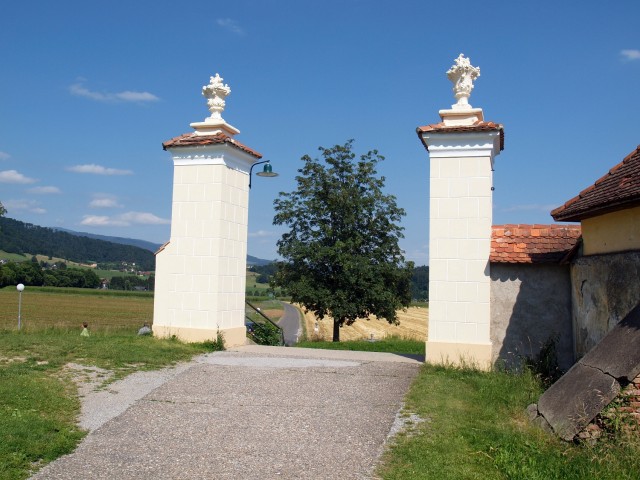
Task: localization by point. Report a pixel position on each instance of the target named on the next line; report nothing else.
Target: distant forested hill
(251, 260)
(153, 247)
(19, 237)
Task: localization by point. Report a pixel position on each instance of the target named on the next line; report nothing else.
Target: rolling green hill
(25, 238)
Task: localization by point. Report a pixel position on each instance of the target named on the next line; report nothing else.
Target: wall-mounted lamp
(267, 170)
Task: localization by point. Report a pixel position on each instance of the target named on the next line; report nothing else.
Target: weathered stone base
(459, 354)
(233, 337)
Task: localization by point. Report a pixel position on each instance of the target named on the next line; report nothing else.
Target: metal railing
(261, 329)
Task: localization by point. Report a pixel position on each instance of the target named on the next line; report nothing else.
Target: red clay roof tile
(533, 243)
(191, 139)
(476, 127)
(617, 190)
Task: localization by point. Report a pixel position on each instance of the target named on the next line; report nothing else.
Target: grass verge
(476, 428)
(38, 400)
(388, 344)
(46, 307)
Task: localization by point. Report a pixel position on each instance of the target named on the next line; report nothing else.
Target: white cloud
(144, 218)
(102, 221)
(44, 190)
(104, 201)
(98, 170)
(13, 176)
(261, 234)
(24, 206)
(79, 90)
(129, 96)
(124, 220)
(529, 207)
(4, 156)
(630, 54)
(230, 25)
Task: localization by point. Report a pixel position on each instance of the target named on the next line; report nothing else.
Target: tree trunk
(336, 330)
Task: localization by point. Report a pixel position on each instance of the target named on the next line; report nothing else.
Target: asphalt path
(251, 413)
(290, 324)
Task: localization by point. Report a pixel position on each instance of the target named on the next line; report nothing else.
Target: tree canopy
(32, 274)
(341, 253)
(3, 211)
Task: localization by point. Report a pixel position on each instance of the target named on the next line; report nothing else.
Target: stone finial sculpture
(462, 74)
(215, 93)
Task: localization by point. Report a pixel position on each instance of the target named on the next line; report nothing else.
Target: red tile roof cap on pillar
(194, 140)
(617, 190)
(533, 243)
(476, 127)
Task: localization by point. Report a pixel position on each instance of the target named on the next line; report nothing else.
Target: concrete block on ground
(571, 403)
(574, 400)
(618, 353)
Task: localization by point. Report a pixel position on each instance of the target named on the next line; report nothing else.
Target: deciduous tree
(341, 253)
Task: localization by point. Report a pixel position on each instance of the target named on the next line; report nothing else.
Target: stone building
(605, 277)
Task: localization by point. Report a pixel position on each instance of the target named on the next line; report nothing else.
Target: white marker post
(20, 288)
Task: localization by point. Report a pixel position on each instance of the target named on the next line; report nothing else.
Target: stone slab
(571, 403)
(574, 400)
(618, 354)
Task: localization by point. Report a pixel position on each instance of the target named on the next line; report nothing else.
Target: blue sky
(90, 90)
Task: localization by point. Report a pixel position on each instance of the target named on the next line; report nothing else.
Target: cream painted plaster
(201, 273)
(613, 232)
(459, 245)
(233, 337)
(459, 354)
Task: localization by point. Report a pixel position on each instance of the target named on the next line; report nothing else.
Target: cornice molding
(462, 144)
(220, 154)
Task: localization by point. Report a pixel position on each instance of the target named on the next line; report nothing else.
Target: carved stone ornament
(462, 74)
(215, 94)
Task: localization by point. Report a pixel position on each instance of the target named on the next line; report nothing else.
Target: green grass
(37, 416)
(15, 257)
(38, 402)
(96, 292)
(109, 274)
(420, 303)
(477, 428)
(389, 344)
(46, 307)
(253, 285)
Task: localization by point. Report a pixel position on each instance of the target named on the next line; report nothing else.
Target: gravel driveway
(249, 413)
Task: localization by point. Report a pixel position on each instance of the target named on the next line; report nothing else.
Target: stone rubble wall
(604, 289)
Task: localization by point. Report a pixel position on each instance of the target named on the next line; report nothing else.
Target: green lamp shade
(267, 171)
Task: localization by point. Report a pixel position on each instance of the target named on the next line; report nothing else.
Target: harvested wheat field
(413, 324)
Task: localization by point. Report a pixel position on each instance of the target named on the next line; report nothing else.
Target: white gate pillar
(201, 271)
(461, 149)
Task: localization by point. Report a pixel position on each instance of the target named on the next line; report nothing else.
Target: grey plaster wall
(605, 288)
(529, 304)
